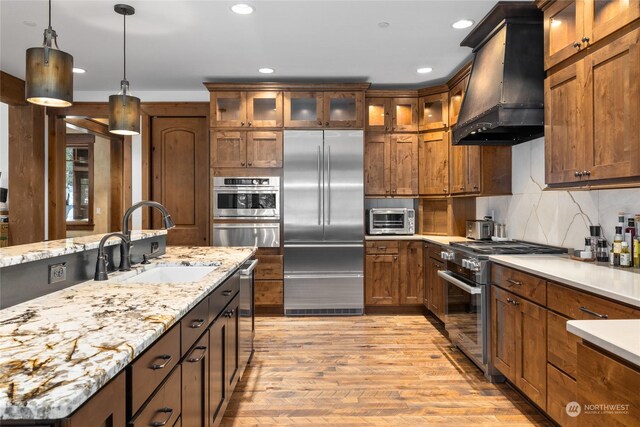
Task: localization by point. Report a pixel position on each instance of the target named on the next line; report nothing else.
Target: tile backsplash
(560, 218)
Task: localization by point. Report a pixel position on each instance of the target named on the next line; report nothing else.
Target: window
(79, 181)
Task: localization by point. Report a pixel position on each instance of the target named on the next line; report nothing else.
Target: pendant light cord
(49, 14)
(124, 17)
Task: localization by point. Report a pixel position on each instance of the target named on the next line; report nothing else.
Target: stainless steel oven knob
(474, 265)
(465, 263)
(447, 255)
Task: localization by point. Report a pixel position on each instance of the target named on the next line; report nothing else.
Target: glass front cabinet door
(563, 31)
(378, 117)
(230, 109)
(434, 111)
(303, 110)
(264, 109)
(404, 114)
(343, 109)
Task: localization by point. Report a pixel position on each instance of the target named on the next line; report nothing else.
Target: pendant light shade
(124, 109)
(49, 72)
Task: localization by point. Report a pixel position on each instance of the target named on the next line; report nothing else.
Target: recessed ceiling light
(29, 23)
(424, 70)
(266, 70)
(79, 70)
(383, 24)
(463, 23)
(242, 9)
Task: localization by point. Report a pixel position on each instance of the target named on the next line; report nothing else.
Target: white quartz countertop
(620, 337)
(56, 351)
(13, 255)
(431, 238)
(615, 283)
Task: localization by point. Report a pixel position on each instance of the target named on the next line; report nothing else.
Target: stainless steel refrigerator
(323, 198)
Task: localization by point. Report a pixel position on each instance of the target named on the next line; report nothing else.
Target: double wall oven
(246, 211)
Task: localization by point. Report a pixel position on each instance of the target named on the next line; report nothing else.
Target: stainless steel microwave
(246, 197)
(391, 221)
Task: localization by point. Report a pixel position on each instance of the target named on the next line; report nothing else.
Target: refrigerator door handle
(329, 185)
(319, 189)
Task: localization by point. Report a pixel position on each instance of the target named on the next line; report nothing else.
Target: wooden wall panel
(56, 179)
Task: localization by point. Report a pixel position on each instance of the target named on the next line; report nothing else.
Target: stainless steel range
(467, 296)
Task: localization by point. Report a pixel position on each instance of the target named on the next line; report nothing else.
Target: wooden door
(343, 109)
(264, 109)
(228, 149)
(603, 17)
(612, 110)
(531, 350)
(411, 272)
(228, 109)
(564, 123)
(435, 288)
(563, 31)
(458, 156)
(503, 332)
(217, 369)
(474, 169)
(377, 166)
(561, 389)
(433, 155)
(264, 149)
(381, 281)
(233, 345)
(404, 114)
(378, 116)
(303, 110)
(455, 100)
(180, 171)
(434, 111)
(195, 385)
(404, 165)
(106, 408)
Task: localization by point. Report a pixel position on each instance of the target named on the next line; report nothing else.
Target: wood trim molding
(460, 74)
(433, 90)
(383, 93)
(11, 90)
(310, 87)
(175, 109)
(91, 125)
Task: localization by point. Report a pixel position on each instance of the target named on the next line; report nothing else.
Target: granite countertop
(13, 255)
(620, 337)
(432, 238)
(615, 283)
(56, 351)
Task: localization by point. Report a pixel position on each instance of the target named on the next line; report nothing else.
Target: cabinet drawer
(582, 306)
(221, 296)
(153, 366)
(561, 390)
(164, 407)
(193, 325)
(269, 292)
(382, 247)
(561, 344)
(435, 252)
(520, 283)
(269, 267)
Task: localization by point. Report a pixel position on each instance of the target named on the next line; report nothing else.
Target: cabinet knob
(475, 187)
(394, 190)
(587, 173)
(387, 191)
(444, 190)
(320, 122)
(249, 123)
(241, 123)
(242, 163)
(577, 45)
(326, 123)
(576, 174)
(249, 164)
(585, 40)
(395, 258)
(462, 187)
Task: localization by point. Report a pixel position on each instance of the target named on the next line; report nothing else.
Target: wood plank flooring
(367, 370)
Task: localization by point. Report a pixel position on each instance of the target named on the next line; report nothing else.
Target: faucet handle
(145, 259)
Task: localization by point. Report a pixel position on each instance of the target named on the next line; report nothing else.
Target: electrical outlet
(155, 247)
(57, 273)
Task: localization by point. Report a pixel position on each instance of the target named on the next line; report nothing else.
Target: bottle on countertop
(621, 216)
(630, 236)
(625, 255)
(603, 250)
(595, 236)
(617, 246)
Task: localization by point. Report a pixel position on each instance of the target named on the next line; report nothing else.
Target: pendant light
(49, 72)
(124, 109)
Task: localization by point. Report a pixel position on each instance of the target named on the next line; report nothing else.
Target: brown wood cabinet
(264, 109)
(106, 408)
(240, 149)
(433, 164)
(195, 384)
(392, 114)
(391, 163)
(411, 272)
(434, 112)
(381, 272)
(561, 390)
(573, 26)
(519, 343)
(239, 109)
(343, 109)
(465, 169)
(435, 288)
(456, 94)
(303, 109)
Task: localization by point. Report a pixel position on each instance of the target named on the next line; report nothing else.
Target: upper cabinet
(434, 111)
(392, 114)
(343, 109)
(303, 109)
(391, 163)
(572, 26)
(246, 109)
(241, 149)
(433, 155)
(456, 94)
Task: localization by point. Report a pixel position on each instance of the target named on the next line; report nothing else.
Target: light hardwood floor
(368, 370)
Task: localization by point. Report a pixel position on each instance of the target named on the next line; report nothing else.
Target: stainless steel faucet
(101, 262)
(166, 221)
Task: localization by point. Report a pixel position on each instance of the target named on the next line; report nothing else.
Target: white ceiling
(176, 45)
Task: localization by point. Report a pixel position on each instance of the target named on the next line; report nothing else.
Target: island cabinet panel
(165, 405)
(561, 389)
(107, 408)
(604, 380)
(193, 325)
(195, 385)
(217, 370)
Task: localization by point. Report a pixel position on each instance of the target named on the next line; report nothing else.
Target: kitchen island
(58, 350)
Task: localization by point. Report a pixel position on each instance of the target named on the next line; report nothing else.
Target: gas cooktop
(513, 247)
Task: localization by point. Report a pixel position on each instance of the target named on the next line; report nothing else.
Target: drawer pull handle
(593, 313)
(197, 323)
(382, 248)
(226, 293)
(197, 359)
(514, 282)
(167, 411)
(166, 357)
(512, 301)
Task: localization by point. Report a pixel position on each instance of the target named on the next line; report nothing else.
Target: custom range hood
(504, 100)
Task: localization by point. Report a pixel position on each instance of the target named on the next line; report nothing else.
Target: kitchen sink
(171, 274)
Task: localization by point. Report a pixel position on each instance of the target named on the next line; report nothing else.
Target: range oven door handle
(473, 290)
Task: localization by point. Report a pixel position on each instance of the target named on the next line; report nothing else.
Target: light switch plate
(57, 273)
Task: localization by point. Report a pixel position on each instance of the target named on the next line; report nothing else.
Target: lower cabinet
(195, 384)
(435, 288)
(106, 408)
(394, 273)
